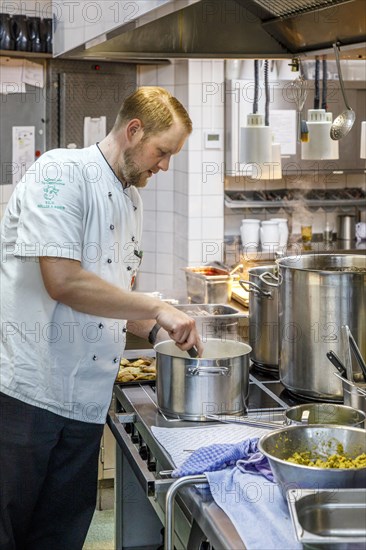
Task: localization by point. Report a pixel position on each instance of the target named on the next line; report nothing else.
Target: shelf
(290, 205)
(288, 200)
(26, 55)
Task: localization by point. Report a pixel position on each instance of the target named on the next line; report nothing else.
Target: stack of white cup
(270, 235)
(249, 231)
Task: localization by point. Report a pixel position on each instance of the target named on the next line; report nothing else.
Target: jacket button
(101, 325)
(110, 194)
(95, 357)
(109, 261)
(115, 360)
(129, 268)
(135, 207)
(133, 239)
(124, 329)
(111, 227)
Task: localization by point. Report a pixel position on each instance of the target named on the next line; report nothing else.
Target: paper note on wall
(23, 150)
(16, 73)
(33, 74)
(11, 76)
(95, 129)
(283, 125)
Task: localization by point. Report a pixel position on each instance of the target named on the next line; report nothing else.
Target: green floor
(101, 531)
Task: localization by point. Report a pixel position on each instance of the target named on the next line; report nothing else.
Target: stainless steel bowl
(321, 440)
(325, 413)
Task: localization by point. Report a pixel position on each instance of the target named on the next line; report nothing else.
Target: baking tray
(150, 355)
(137, 383)
(330, 518)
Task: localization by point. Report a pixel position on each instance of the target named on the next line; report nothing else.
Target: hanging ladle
(344, 122)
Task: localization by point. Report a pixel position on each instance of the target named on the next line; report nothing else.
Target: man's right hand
(181, 328)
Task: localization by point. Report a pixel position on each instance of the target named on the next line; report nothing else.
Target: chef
(71, 238)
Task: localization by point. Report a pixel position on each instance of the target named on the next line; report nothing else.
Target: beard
(130, 172)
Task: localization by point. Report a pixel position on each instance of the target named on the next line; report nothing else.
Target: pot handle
(214, 371)
(264, 280)
(255, 288)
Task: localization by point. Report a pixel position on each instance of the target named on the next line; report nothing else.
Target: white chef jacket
(69, 204)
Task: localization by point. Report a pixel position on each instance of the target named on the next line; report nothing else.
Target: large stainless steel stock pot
(263, 316)
(318, 294)
(191, 389)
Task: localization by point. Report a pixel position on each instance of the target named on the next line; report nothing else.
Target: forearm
(91, 294)
(68, 283)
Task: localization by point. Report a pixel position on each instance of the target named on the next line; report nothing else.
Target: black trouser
(48, 478)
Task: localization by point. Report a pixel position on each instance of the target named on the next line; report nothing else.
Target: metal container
(263, 316)
(208, 285)
(352, 397)
(318, 294)
(325, 413)
(214, 320)
(328, 518)
(191, 389)
(346, 230)
(321, 441)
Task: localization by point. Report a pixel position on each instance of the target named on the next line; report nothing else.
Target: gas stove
(143, 469)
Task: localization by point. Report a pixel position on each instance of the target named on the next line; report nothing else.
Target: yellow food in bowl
(337, 460)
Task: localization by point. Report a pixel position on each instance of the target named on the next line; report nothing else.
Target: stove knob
(143, 452)
(128, 428)
(134, 435)
(151, 466)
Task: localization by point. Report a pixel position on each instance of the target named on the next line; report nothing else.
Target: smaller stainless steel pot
(192, 388)
(325, 413)
(353, 393)
(263, 316)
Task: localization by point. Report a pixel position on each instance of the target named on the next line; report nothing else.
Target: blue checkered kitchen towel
(254, 503)
(244, 455)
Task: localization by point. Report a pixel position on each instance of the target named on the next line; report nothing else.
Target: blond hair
(155, 107)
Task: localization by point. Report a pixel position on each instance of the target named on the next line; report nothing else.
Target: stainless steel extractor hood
(233, 29)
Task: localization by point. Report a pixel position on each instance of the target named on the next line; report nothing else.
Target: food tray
(138, 381)
(329, 517)
(208, 285)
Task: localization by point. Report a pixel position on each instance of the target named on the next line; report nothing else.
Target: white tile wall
(184, 208)
(165, 243)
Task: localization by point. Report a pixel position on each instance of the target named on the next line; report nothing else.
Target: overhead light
(269, 170)
(363, 140)
(256, 141)
(319, 145)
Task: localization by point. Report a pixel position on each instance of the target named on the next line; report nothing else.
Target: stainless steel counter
(143, 467)
(197, 517)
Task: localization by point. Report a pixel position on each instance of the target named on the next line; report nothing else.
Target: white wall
(36, 8)
(183, 208)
